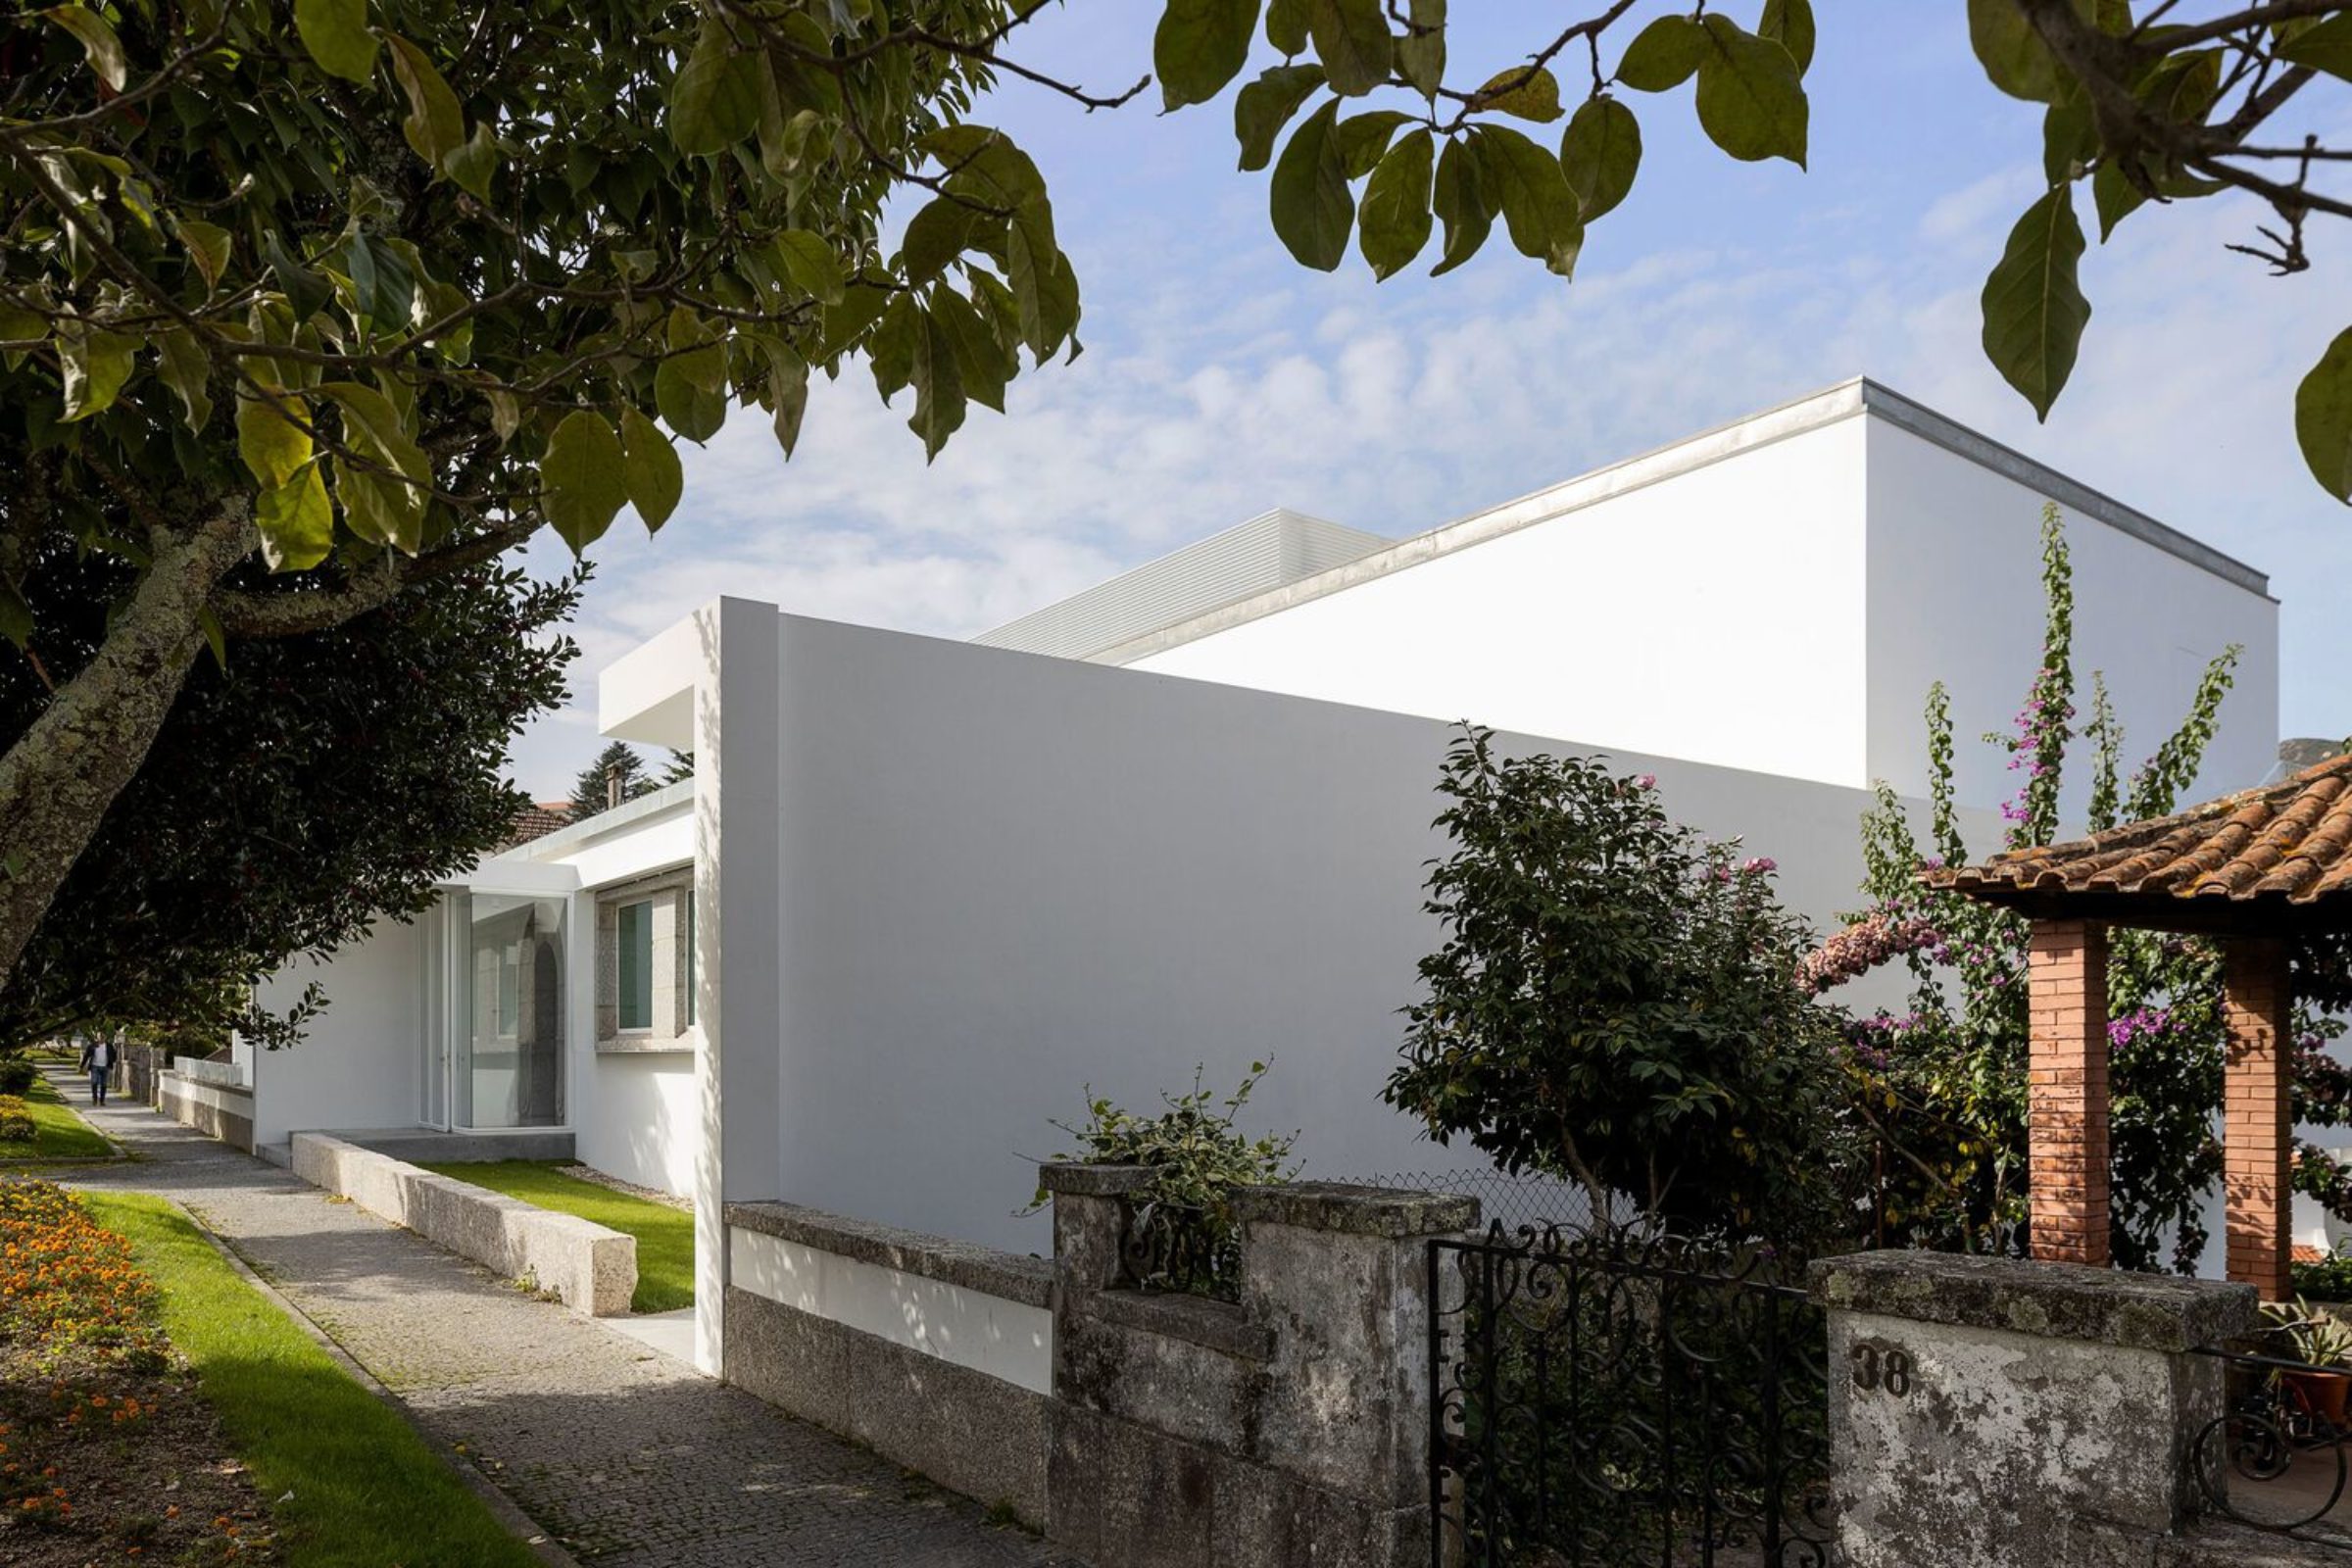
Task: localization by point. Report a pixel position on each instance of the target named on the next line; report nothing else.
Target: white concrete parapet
(591, 1268)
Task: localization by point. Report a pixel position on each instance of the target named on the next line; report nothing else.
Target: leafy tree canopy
(313, 782)
(618, 765)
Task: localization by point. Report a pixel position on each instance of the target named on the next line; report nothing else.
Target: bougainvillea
(1944, 1088)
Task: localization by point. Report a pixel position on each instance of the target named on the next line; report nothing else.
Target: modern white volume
(919, 893)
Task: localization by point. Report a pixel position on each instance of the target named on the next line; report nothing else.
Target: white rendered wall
(1004, 878)
(1715, 615)
(359, 1063)
(1955, 595)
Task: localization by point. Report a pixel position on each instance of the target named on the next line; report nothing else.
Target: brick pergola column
(2067, 1107)
(2257, 996)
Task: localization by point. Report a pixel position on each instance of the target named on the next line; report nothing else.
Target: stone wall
(1140, 1430)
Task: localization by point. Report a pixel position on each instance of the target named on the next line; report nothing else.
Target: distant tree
(618, 761)
(311, 784)
(1618, 1003)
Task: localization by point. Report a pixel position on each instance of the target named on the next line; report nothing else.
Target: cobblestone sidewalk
(624, 1455)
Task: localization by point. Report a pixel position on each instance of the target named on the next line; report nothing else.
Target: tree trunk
(63, 774)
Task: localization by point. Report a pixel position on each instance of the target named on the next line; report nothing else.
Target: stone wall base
(969, 1432)
(1124, 1495)
(213, 1109)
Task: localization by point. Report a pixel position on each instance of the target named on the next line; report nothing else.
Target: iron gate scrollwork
(1612, 1398)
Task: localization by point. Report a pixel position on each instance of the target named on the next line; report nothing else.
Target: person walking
(98, 1061)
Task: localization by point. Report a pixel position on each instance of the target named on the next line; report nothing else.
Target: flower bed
(108, 1453)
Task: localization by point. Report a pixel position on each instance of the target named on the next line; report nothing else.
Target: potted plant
(2324, 1343)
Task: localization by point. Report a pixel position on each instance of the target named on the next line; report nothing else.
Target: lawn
(360, 1488)
(665, 1235)
(57, 1133)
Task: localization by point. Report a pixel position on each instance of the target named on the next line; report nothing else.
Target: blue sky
(1220, 378)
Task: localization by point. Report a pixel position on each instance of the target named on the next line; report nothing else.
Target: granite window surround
(669, 894)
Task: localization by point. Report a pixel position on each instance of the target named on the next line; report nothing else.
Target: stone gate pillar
(1996, 1411)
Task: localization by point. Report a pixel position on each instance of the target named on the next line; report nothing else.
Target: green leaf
(2323, 417)
(1521, 93)
(216, 637)
(847, 321)
(688, 406)
(583, 479)
(275, 444)
(1750, 102)
(1363, 138)
(296, 521)
(1790, 24)
(715, 98)
(473, 165)
(2325, 46)
(1461, 203)
(98, 42)
(1663, 54)
(1047, 292)
(810, 264)
(307, 291)
(336, 32)
(1200, 46)
(2035, 311)
(1600, 152)
(384, 288)
(374, 507)
(1352, 39)
(1286, 26)
(95, 364)
(435, 126)
(1396, 216)
(16, 615)
(208, 246)
(506, 414)
(2070, 137)
(1532, 189)
(1262, 107)
(2012, 52)
(187, 370)
(938, 385)
(376, 430)
(984, 363)
(1312, 207)
(935, 238)
(1421, 47)
(650, 468)
(2113, 196)
(788, 389)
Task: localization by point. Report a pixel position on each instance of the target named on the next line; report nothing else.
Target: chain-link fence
(1517, 1202)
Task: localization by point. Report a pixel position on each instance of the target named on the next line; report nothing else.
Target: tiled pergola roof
(2277, 858)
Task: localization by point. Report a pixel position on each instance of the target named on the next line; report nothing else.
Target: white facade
(952, 887)
(1776, 595)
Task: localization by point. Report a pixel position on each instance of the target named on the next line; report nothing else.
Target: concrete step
(280, 1154)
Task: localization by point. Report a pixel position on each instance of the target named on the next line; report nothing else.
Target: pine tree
(592, 791)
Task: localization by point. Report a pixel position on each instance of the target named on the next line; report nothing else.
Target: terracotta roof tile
(537, 820)
(2287, 842)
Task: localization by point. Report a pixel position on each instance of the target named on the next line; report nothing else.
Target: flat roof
(1847, 400)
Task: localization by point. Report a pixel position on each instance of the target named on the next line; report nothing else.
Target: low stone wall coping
(966, 1264)
(1356, 1210)
(2051, 1300)
(1214, 1325)
(1094, 1181)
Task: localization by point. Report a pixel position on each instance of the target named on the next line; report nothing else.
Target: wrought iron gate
(1607, 1399)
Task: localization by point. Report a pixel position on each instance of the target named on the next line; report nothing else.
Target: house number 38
(1888, 1369)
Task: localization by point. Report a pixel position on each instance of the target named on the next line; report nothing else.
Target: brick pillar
(2067, 1114)
(2257, 997)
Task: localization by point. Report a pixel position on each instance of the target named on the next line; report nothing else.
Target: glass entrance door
(506, 1067)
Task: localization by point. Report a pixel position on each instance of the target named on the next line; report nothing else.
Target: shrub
(15, 1121)
(2328, 1280)
(1201, 1157)
(1618, 1004)
(18, 1074)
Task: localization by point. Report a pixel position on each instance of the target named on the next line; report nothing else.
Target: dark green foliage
(618, 761)
(1201, 1157)
(291, 797)
(17, 1073)
(1617, 1002)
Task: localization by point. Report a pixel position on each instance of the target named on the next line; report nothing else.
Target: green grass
(57, 1133)
(665, 1235)
(367, 1492)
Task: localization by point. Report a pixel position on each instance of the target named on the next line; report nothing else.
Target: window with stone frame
(645, 963)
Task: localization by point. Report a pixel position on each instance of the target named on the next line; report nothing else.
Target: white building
(951, 885)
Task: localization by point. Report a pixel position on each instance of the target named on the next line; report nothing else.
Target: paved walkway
(625, 1456)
